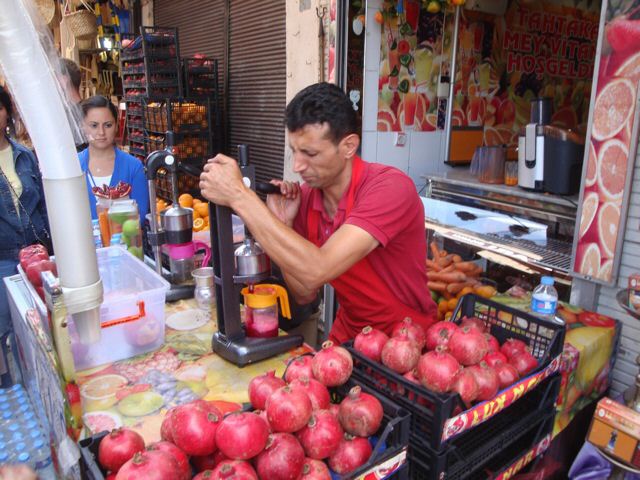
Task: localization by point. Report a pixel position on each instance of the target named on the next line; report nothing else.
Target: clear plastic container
(126, 282)
(544, 299)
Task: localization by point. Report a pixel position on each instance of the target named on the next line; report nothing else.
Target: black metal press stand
(231, 341)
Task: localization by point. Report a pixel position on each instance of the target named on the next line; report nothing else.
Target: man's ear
(349, 145)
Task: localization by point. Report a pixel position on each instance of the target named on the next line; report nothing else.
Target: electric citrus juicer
(248, 265)
(175, 229)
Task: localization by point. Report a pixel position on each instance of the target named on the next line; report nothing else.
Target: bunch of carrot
(448, 275)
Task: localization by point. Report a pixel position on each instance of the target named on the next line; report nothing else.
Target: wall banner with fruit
(611, 145)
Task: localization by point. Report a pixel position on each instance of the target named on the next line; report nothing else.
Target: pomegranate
(487, 380)
(468, 346)
(494, 358)
(194, 428)
(437, 370)
(282, 458)
(332, 365)
(151, 465)
(318, 393)
(117, 447)
(334, 408)
(182, 461)
(207, 462)
(492, 342)
(524, 362)
(400, 353)
(321, 436)
(299, 367)
(360, 413)
(261, 388)
(412, 376)
(474, 323)
(315, 470)
(263, 414)
(507, 374)
(234, 470)
(466, 386)
(414, 331)
(439, 334)
(242, 435)
(369, 342)
(288, 409)
(511, 346)
(167, 425)
(352, 452)
(204, 475)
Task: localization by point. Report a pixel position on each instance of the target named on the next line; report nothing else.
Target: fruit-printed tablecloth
(587, 359)
(137, 392)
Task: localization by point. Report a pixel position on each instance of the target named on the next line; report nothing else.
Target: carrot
(448, 269)
(454, 288)
(457, 259)
(437, 286)
(431, 265)
(447, 295)
(466, 266)
(445, 261)
(434, 250)
(453, 277)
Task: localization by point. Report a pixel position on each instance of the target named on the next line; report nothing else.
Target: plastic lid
(546, 280)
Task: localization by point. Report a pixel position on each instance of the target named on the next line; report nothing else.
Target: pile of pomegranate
(464, 359)
(294, 433)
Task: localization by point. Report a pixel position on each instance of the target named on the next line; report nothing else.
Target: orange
(592, 166)
(196, 201)
(613, 107)
(588, 259)
(185, 200)
(608, 221)
(196, 215)
(612, 169)
(451, 304)
(198, 224)
(202, 209)
(589, 209)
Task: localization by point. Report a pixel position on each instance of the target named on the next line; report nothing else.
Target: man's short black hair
(322, 103)
(72, 70)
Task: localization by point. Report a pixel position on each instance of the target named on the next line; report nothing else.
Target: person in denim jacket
(23, 214)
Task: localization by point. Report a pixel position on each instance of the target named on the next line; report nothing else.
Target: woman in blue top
(103, 162)
(23, 214)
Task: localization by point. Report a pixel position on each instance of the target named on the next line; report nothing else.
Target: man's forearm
(302, 294)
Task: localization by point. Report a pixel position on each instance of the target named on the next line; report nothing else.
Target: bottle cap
(23, 457)
(546, 280)
(38, 443)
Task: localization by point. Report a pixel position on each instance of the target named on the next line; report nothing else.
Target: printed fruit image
(140, 404)
(606, 270)
(589, 209)
(100, 421)
(614, 105)
(592, 167)
(612, 170)
(608, 221)
(588, 259)
(387, 121)
(630, 69)
(565, 117)
(99, 393)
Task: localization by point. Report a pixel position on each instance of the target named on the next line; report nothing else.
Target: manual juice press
(174, 233)
(247, 265)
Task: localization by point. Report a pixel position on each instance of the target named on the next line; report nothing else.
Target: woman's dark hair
(5, 101)
(98, 101)
(322, 103)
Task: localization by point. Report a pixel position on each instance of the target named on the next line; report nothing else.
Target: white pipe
(37, 95)
(452, 84)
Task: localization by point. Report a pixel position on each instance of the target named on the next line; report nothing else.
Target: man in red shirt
(356, 225)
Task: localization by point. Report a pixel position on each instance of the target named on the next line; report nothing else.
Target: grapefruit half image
(606, 270)
(589, 210)
(612, 169)
(608, 223)
(630, 69)
(588, 259)
(592, 166)
(614, 105)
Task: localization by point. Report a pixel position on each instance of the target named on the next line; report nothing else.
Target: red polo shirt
(387, 206)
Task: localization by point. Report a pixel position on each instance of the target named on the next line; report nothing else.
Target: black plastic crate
(200, 77)
(392, 441)
(470, 453)
(430, 410)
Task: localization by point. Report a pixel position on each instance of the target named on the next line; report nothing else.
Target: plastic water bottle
(544, 299)
(41, 455)
(97, 236)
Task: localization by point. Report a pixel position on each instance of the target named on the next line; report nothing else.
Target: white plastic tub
(128, 285)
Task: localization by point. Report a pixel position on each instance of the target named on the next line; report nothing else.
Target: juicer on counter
(549, 158)
(173, 232)
(233, 269)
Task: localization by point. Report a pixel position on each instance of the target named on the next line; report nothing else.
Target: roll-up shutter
(257, 83)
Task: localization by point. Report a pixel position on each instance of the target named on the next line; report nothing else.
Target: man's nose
(299, 164)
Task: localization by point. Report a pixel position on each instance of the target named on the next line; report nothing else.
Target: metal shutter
(257, 83)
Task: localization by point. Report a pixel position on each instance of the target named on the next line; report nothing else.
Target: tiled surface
(369, 146)
(424, 155)
(389, 154)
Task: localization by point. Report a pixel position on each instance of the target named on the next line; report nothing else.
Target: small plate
(188, 319)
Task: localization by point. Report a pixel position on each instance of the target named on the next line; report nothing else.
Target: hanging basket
(47, 10)
(82, 23)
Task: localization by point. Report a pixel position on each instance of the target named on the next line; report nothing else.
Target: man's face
(315, 157)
